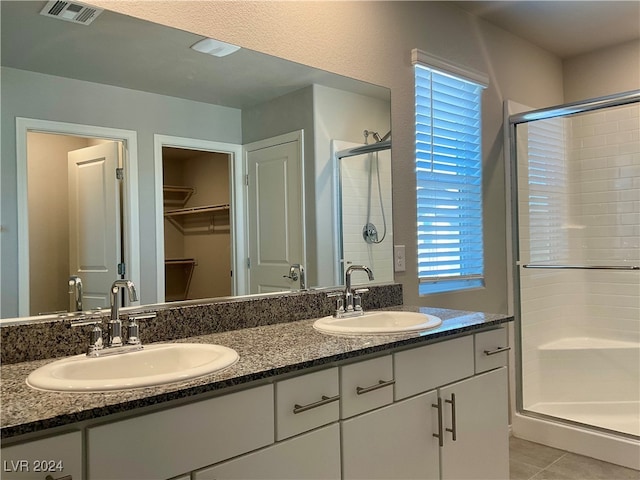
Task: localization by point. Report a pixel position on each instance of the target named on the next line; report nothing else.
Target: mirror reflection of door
(98, 198)
(95, 221)
(276, 214)
(197, 233)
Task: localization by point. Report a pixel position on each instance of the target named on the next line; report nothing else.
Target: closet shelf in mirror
(204, 219)
(178, 275)
(177, 195)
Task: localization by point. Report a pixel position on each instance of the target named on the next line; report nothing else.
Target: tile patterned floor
(532, 461)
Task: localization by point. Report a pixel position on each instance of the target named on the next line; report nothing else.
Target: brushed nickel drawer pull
(497, 350)
(439, 435)
(66, 477)
(325, 400)
(380, 384)
(453, 430)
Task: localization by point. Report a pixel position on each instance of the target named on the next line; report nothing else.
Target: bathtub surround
(55, 338)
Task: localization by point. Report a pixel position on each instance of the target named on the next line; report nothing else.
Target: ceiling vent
(71, 11)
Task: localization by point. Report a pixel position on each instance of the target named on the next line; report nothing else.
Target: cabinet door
(393, 442)
(311, 455)
(476, 411)
(182, 439)
(57, 456)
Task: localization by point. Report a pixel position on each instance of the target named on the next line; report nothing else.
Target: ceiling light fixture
(214, 47)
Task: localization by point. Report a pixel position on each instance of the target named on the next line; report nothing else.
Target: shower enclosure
(576, 238)
(364, 216)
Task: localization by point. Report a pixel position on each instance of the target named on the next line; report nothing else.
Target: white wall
(602, 72)
(33, 95)
(371, 41)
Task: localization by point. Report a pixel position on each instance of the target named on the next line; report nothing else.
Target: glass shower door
(578, 229)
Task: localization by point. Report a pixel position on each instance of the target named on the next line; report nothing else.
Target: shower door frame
(514, 120)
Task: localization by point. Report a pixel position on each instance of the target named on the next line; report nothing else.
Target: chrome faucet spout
(351, 303)
(115, 289)
(115, 325)
(350, 270)
(75, 288)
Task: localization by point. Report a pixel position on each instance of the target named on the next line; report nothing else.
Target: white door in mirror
(154, 365)
(378, 323)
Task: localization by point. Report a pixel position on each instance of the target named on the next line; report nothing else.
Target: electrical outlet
(399, 258)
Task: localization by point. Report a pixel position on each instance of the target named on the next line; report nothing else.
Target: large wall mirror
(126, 153)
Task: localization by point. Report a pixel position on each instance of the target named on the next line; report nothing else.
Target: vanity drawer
(425, 368)
(366, 385)
(306, 402)
(491, 349)
(181, 439)
(58, 456)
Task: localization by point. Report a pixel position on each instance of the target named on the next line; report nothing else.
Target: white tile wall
(355, 199)
(599, 212)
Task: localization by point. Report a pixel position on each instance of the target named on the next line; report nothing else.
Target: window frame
(433, 277)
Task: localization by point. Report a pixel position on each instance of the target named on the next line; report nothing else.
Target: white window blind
(547, 209)
(449, 181)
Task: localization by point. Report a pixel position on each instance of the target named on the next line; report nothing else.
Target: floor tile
(521, 471)
(533, 454)
(578, 467)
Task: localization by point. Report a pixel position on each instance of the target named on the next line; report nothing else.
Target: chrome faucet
(350, 303)
(75, 288)
(115, 324)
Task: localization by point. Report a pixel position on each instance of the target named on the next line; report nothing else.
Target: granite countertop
(264, 351)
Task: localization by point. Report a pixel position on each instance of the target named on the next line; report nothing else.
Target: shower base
(609, 447)
(621, 417)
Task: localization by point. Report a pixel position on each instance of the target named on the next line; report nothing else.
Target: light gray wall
(602, 72)
(32, 95)
(372, 41)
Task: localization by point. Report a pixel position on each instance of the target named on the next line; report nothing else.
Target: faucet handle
(133, 329)
(339, 301)
(357, 299)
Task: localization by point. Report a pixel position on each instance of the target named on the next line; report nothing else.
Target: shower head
(376, 136)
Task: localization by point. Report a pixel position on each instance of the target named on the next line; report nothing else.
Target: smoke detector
(75, 12)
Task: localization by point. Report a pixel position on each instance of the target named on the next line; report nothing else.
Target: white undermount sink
(153, 365)
(378, 323)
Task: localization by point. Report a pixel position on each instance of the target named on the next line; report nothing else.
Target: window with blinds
(449, 181)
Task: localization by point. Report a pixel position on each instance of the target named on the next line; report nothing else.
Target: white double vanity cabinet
(437, 411)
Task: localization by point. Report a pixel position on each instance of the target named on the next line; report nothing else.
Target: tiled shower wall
(356, 197)
(582, 207)
(604, 156)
